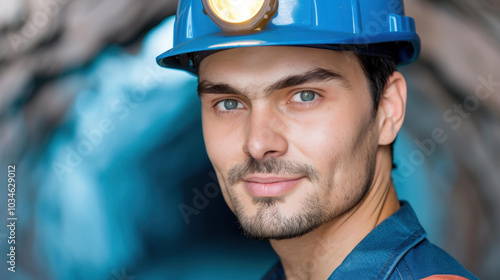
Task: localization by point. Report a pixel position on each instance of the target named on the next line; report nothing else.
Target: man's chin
(272, 225)
(263, 236)
(280, 217)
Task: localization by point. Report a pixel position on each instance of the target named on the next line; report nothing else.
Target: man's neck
(317, 254)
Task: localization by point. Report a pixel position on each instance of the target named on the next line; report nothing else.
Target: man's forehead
(279, 56)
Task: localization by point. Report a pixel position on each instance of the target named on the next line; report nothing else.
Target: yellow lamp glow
(235, 11)
(240, 15)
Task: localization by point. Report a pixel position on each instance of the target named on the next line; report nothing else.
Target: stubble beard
(269, 223)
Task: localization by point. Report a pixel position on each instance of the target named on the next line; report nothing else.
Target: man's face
(291, 134)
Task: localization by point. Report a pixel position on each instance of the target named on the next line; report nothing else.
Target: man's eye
(229, 104)
(304, 96)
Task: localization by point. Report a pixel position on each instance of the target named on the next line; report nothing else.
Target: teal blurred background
(110, 154)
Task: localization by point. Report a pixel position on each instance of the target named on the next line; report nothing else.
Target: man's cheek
(319, 143)
(214, 140)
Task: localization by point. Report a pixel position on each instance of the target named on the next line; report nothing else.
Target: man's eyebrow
(314, 75)
(220, 88)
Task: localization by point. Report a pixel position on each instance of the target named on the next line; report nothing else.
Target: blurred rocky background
(108, 146)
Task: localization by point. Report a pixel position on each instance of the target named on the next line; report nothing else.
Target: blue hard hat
(371, 27)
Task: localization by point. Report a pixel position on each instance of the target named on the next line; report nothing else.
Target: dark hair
(377, 70)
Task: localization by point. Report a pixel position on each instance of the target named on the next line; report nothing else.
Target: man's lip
(263, 179)
(270, 186)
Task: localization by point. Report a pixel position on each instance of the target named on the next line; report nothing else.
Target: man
(301, 102)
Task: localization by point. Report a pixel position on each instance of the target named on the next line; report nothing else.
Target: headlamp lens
(235, 11)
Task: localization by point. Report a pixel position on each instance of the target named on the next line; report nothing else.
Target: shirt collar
(379, 252)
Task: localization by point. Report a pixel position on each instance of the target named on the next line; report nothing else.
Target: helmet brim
(403, 47)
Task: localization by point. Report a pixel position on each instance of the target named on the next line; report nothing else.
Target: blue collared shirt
(396, 249)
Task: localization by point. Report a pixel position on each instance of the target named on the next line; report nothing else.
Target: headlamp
(240, 15)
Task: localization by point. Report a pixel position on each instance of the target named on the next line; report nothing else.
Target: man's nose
(265, 135)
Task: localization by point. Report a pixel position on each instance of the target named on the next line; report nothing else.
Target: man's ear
(391, 108)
